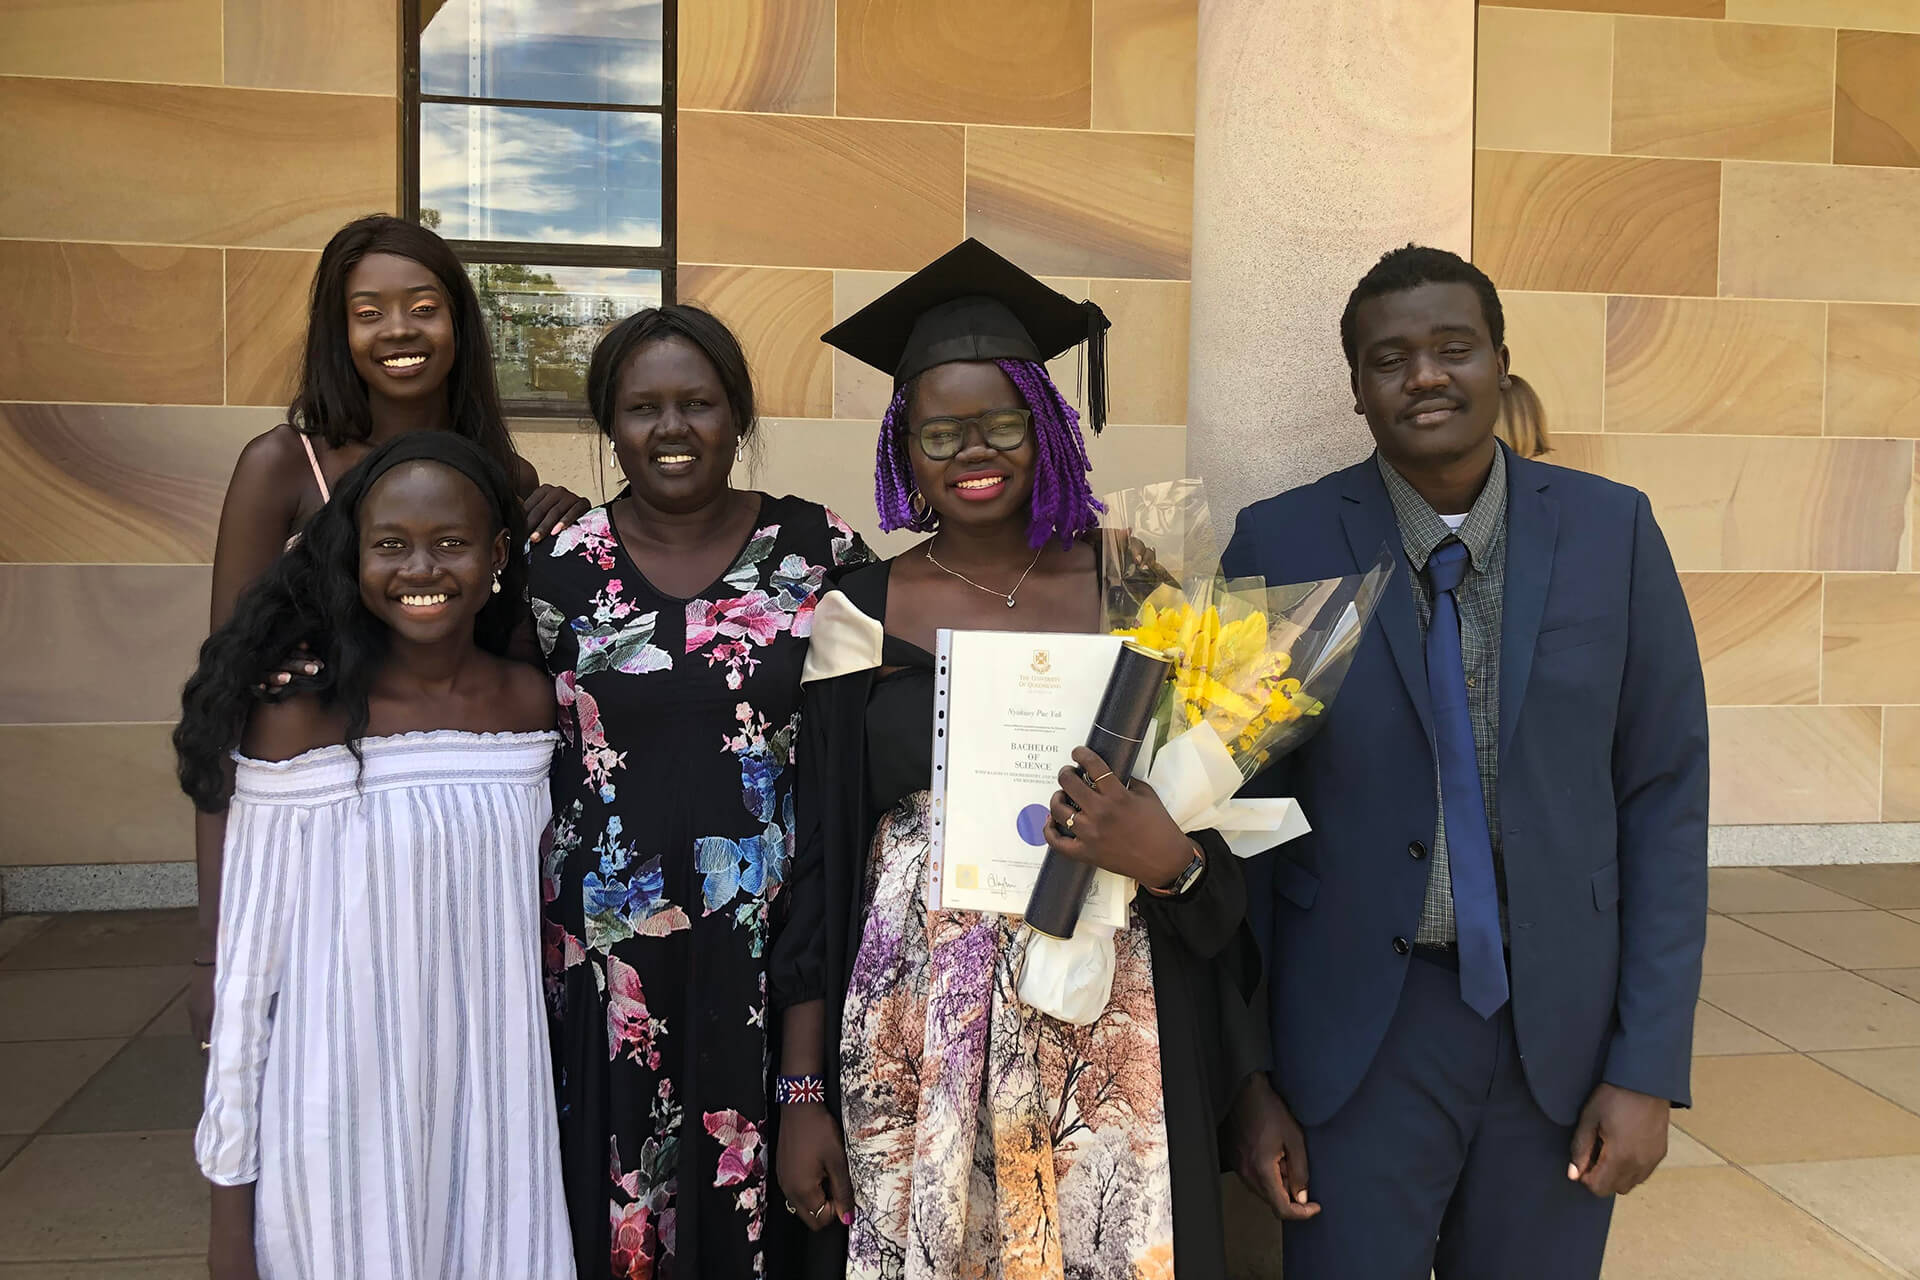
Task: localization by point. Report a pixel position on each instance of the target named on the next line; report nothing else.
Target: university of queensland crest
(1042, 662)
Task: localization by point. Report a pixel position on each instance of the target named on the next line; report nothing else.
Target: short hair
(707, 332)
(1410, 267)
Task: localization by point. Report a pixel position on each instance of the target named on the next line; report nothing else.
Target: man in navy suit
(1484, 959)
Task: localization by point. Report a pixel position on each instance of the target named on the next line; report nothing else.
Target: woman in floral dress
(675, 621)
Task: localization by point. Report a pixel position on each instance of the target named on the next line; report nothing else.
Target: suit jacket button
(1418, 850)
(1400, 946)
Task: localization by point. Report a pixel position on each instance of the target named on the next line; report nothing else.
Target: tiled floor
(1801, 1161)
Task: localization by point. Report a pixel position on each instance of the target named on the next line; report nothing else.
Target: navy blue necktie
(1476, 899)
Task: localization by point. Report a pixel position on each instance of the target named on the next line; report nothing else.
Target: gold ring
(817, 1212)
(1068, 824)
(1095, 784)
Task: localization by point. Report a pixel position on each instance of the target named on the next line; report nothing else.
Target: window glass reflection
(539, 174)
(600, 51)
(545, 321)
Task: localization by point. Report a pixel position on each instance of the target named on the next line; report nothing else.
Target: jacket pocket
(1575, 634)
(1295, 883)
(1606, 887)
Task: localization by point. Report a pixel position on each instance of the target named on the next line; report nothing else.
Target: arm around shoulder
(1660, 777)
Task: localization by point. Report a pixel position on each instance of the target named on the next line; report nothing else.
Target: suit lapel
(1367, 515)
(1533, 521)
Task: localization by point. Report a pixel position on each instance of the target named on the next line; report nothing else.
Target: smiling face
(399, 328)
(672, 428)
(428, 552)
(979, 485)
(1427, 375)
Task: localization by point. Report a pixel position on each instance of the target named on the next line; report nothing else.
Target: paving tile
(1892, 1073)
(11, 1143)
(1908, 915)
(102, 939)
(102, 1195)
(1850, 939)
(1871, 1202)
(1905, 981)
(1779, 1107)
(1895, 886)
(1816, 1011)
(1734, 947)
(38, 1075)
(1716, 1034)
(172, 1020)
(85, 1004)
(1696, 1224)
(186, 1268)
(156, 1082)
(15, 930)
(1685, 1152)
(1745, 890)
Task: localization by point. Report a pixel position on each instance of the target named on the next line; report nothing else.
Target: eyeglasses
(1003, 429)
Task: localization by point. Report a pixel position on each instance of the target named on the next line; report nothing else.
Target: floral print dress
(673, 826)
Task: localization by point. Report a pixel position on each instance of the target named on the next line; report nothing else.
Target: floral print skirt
(985, 1139)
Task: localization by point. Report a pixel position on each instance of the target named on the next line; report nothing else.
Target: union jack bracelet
(788, 1090)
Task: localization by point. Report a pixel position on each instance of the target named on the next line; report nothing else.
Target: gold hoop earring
(917, 506)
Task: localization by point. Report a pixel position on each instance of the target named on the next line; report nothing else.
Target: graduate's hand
(200, 1003)
(1125, 830)
(551, 508)
(1620, 1140)
(1269, 1151)
(811, 1166)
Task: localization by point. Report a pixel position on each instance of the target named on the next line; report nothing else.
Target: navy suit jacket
(1603, 795)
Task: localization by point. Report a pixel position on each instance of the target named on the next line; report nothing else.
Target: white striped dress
(379, 1064)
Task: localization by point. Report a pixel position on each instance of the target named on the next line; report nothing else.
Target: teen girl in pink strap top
(396, 342)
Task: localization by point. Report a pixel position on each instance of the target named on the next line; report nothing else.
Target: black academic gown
(865, 742)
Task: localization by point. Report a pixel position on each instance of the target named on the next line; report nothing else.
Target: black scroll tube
(1126, 711)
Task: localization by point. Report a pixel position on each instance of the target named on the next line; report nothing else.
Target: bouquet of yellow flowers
(1254, 673)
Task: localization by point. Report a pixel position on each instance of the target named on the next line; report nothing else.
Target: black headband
(447, 449)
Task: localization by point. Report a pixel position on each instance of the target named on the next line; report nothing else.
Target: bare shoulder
(271, 470)
(526, 702)
(291, 726)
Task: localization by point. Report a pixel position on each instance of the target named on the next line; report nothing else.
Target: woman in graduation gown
(931, 1124)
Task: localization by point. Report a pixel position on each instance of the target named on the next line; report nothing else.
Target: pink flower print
(628, 1022)
(740, 1140)
(632, 1248)
(563, 950)
(596, 755)
(592, 535)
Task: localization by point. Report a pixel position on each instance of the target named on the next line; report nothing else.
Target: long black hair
(312, 595)
(332, 403)
(703, 329)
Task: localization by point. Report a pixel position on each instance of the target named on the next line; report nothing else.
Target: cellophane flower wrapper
(1257, 670)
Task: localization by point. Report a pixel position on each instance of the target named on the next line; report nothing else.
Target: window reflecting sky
(600, 51)
(541, 174)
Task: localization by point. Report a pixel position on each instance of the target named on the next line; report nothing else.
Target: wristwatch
(1185, 881)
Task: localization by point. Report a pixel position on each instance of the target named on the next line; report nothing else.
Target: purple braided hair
(1062, 505)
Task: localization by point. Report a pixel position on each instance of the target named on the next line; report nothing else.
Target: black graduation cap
(972, 304)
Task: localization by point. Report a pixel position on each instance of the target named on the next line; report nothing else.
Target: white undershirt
(1454, 522)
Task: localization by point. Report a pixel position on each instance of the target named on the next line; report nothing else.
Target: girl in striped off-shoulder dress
(377, 1100)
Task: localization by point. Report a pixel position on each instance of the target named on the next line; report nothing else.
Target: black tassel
(1096, 357)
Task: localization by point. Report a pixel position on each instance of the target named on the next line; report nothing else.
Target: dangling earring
(917, 505)
(613, 457)
(496, 582)
(740, 449)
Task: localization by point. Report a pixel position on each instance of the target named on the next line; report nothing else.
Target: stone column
(1327, 132)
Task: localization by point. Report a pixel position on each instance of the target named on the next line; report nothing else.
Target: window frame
(662, 258)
